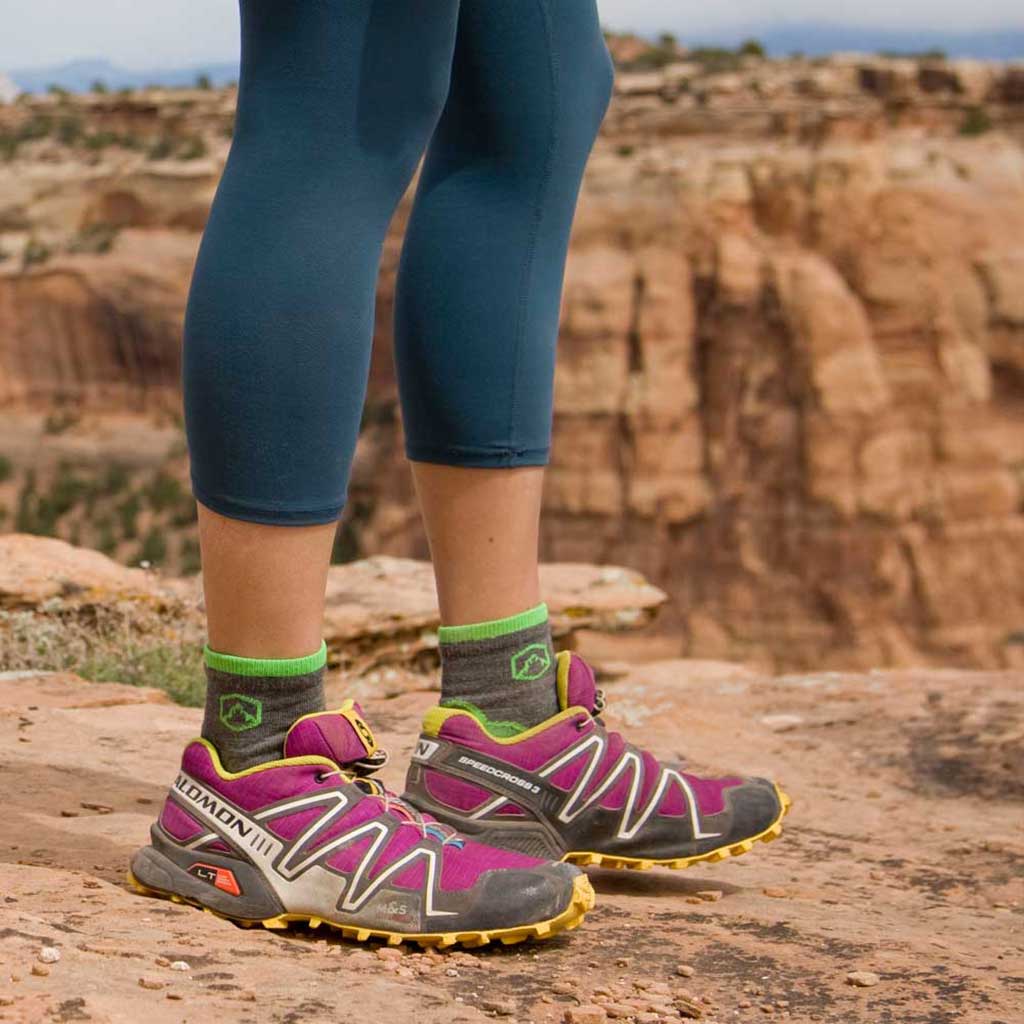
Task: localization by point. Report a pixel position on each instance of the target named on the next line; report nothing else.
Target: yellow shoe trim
(581, 902)
(436, 717)
(586, 858)
(347, 709)
(564, 659)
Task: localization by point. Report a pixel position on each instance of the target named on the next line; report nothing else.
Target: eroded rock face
(791, 377)
(380, 611)
(97, 331)
(792, 393)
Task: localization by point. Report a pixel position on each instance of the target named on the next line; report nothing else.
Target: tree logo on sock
(239, 712)
(531, 662)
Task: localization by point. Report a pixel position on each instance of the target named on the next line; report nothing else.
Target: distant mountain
(780, 38)
(816, 39)
(79, 76)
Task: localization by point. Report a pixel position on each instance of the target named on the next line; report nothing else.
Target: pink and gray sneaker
(568, 789)
(310, 838)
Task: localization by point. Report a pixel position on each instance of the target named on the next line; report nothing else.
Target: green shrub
(69, 129)
(106, 647)
(6, 469)
(116, 479)
(976, 121)
(160, 150)
(67, 490)
(38, 126)
(35, 253)
(192, 148)
(163, 491)
(185, 512)
(60, 420)
(715, 59)
(100, 87)
(189, 559)
(128, 514)
(153, 548)
(203, 82)
(25, 513)
(106, 542)
(96, 238)
(751, 48)
(98, 141)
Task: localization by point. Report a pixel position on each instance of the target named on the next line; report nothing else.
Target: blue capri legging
(337, 101)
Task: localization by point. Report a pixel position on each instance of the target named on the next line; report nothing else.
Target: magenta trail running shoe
(309, 838)
(567, 789)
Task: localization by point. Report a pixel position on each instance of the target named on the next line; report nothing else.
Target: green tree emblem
(239, 712)
(531, 662)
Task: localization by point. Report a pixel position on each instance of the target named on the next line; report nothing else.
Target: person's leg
(476, 320)
(271, 816)
(337, 100)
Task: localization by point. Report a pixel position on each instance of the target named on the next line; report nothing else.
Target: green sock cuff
(502, 729)
(494, 628)
(266, 666)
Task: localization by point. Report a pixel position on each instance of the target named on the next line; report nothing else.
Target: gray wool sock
(251, 703)
(502, 670)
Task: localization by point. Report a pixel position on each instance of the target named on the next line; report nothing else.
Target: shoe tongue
(341, 735)
(577, 686)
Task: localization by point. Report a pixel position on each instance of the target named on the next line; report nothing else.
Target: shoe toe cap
(508, 898)
(756, 806)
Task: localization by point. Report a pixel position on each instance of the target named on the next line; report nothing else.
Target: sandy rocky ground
(895, 895)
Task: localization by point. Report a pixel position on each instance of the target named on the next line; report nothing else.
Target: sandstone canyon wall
(791, 380)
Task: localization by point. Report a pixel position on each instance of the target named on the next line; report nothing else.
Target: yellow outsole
(582, 901)
(587, 858)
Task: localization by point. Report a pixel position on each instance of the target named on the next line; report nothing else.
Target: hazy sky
(154, 33)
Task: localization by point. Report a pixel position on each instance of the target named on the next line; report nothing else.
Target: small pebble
(174, 995)
(162, 961)
(710, 895)
(501, 1007)
(451, 972)
(49, 955)
(40, 970)
(586, 1014)
(685, 971)
(862, 979)
(619, 1011)
(150, 983)
(180, 965)
(389, 953)
(777, 894)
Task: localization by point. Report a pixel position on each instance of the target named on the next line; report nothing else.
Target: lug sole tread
(581, 902)
(590, 858)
